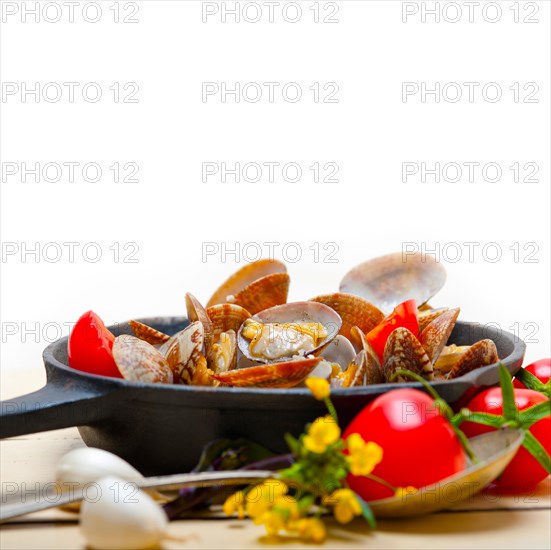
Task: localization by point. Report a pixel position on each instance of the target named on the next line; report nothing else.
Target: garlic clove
(121, 516)
(85, 465)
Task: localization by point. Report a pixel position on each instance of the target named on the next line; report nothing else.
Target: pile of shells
(249, 336)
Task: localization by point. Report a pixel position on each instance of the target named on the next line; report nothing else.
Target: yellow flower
(324, 431)
(403, 492)
(363, 456)
(282, 511)
(309, 529)
(287, 507)
(262, 497)
(235, 503)
(319, 387)
(345, 505)
(273, 522)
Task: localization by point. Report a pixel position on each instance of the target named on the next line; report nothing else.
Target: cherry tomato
(540, 369)
(404, 315)
(524, 471)
(419, 445)
(90, 345)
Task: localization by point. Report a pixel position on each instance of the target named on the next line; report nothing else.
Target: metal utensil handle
(202, 479)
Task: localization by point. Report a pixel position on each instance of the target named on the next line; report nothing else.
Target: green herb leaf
(530, 416)
(305, 503)
(510, 411)
(535, 448)
(367, 513)
(292, 443)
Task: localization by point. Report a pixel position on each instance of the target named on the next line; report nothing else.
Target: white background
(170, 131)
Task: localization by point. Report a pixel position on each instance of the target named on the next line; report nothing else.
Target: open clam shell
(354, 311)
(435, 336)
(339, 351)
(293, 313)
(354, 375)
(225, 317)
(448, 357)
(269, 291)
(148, 334)
(139, 361)
(196, 312)
(404, 351)
(244, 277)
(223, 353)
(481, 354)
(185, 351)
(285, 374)
(322, 370)
(374, 371)
(389, 280)
(427, 316)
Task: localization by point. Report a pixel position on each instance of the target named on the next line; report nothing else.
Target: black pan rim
(469, 379)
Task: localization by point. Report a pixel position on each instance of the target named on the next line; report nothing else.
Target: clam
(448, 357)
(284, 331)
(354, 375)
(255, 287)
(285, 374)
(196, 312)
(148, 334)
(223, 354)
(404, 351)
(339, 350)
(374, 371)
(324, 369)
(263, 294)
(428, 315)
(436, 334)
(430, 357)
(139, 361)
(481, 354)
(337, 355)
(185, 356)
(226, 317)
(387, 281)
(354, 311)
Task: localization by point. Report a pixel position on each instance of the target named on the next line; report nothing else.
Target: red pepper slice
(404, 315)
(90, 347)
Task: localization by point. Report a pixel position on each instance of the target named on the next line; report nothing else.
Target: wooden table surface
(484, 521)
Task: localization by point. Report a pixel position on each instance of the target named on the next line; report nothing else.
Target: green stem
(530, 416)
(380, 480)
(536, 449)
(533, 383)
(488, 419)
(466, 445)
(415, 376)
(331, 409)
(510, 411)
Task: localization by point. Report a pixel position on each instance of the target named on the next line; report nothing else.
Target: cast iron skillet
(161, 429)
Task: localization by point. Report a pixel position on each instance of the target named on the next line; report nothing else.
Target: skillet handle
(52, 407)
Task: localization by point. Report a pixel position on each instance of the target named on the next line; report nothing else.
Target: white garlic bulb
(88, 464)
(121, 516)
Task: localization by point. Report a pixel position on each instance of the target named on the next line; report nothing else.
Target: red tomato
(419, 444)
(524, 471)
(540, 369)
(404, 315)
(90, 345)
